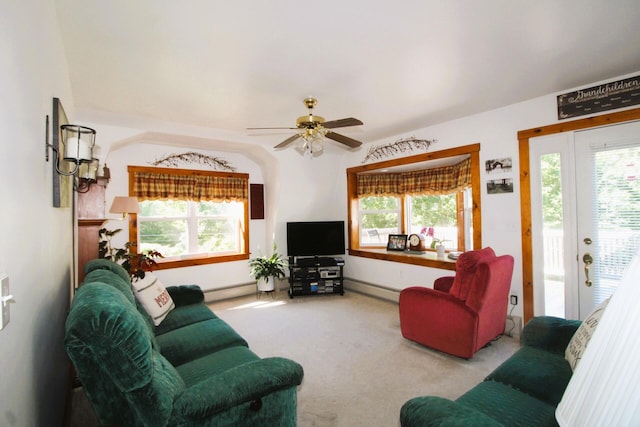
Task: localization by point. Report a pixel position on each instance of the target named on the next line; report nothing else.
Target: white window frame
(192, 218)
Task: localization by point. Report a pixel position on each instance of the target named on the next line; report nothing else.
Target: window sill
(428, 259)
(202, 260)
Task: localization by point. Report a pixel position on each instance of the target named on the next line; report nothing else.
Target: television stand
(316, 261)
(315, 276)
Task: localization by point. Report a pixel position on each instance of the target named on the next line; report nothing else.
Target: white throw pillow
(581, 338)
(153, 296)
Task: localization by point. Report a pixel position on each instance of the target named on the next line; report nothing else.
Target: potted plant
(265, 268)
(135, 263)
(437, 244)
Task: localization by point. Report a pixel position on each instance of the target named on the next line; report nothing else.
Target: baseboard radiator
(372, 290)
(230, 292)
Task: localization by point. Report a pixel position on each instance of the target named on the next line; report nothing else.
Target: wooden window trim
(194, 260)
(429, 259)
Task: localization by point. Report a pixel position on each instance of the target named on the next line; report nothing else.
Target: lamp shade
(605, 387)
(124, 205)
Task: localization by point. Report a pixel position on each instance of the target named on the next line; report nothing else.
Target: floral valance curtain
(436, 181)
(182, 184)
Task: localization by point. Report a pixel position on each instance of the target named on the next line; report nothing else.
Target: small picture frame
(397, 242)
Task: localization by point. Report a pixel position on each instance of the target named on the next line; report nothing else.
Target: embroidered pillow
(153, 296)
(580, 339)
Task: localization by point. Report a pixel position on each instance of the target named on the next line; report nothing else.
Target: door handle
(588, 260)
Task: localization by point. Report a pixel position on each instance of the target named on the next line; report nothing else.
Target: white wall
(36, 239)
(303, 188)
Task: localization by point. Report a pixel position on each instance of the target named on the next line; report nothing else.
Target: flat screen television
(315, 238)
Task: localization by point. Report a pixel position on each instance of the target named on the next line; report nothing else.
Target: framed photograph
(397, 242)
(500, 186)
(502, 165)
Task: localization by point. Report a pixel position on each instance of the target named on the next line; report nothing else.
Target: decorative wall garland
(400, 146)
(191, 157)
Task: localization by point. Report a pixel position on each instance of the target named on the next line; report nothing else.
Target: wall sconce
(88, 175)
(124, 205)
(77, 147)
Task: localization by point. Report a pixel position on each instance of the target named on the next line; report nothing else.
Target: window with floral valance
(435, 181)
(437, 190)
(191, 216)
(183, 184)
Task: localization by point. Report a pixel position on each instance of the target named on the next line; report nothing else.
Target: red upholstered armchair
(462, 313)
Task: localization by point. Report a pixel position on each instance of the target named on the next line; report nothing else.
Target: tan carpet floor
(359, 370)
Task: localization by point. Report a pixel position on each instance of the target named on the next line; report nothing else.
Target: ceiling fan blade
(343, 139)
(287, 141)
(269, 128)
(341, 123)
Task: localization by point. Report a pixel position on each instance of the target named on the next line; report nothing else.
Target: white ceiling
(396, 65)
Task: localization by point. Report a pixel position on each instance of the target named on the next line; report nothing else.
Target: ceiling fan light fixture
(316, 146)
(311, 139)
(313, 129)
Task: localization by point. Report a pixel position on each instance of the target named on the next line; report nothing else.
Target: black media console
(315, 275)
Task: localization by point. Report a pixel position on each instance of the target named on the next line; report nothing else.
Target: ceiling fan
(313, 128)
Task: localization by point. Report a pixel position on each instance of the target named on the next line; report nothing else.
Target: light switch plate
(4, 305)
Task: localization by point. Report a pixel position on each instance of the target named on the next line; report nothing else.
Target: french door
(585, 204)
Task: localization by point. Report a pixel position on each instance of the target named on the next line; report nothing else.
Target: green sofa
(191, 370)
(524, 391)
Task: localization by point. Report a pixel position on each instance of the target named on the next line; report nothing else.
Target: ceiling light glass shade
(605, 387)
(78, 143)
(317, 145)
(311, 140)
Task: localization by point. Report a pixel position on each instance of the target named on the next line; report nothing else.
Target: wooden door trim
(524, 137)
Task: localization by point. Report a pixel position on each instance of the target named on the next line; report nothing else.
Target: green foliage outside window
(433, 211)
(426, 211)
(617, 184)
(380, 212)
(551, 190)
(177, 227)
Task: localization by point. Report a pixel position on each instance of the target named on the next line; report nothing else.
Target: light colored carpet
(358, 368)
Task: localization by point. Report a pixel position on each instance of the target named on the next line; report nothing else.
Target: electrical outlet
(514, 300)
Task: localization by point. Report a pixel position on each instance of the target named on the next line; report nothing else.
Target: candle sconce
(75, 149)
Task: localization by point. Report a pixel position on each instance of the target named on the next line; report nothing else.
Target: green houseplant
(135, 263)
(265, 268)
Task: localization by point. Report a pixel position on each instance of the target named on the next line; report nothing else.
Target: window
(180, 227)
(379, 216)
(437, 217)
(191, 217)
(439, 191)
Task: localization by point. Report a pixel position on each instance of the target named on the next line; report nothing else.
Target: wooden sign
(608, 96)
